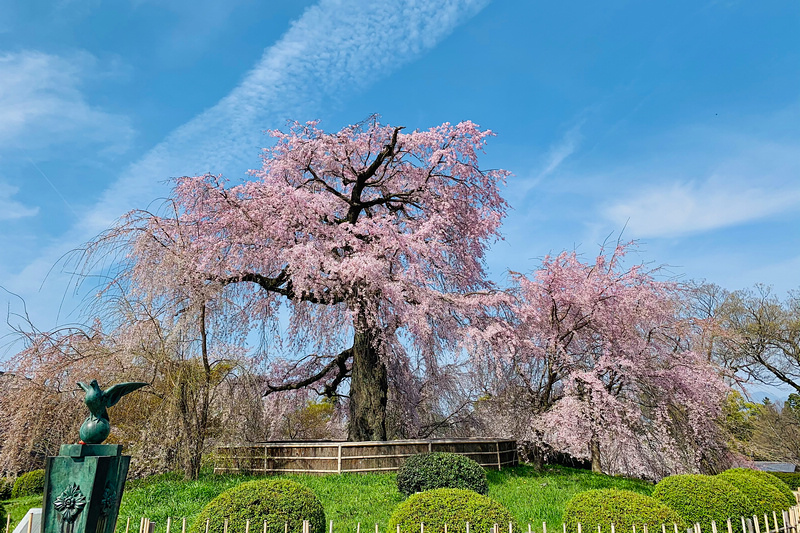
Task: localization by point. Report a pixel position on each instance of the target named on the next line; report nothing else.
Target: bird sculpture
(96, 427)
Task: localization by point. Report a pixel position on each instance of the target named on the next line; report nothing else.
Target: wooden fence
(338, 457)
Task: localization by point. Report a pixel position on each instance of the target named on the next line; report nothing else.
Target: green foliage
(789, 499)
(6, 485)
(623, 508)
(452, 507)
(530, 495)
(792, 479)
(275, 501)
(764, 497)
(29, 484)
(2, 514)
(702, 499)
(154, 480)
(441, 470)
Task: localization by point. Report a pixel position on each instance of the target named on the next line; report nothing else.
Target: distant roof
(770, 466)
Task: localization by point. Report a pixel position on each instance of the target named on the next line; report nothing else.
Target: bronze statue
(96, 427)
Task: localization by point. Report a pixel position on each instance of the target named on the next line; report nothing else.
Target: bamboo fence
(785, 522)
(327, 457)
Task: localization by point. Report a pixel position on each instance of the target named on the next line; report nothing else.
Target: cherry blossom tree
(368, 242)
(595, 353)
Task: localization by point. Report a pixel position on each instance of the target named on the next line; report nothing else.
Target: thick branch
(340, 362)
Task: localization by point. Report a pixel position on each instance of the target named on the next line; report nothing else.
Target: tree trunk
(594, 450)
(368, 387)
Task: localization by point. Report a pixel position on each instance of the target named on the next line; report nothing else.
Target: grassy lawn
(350, 499)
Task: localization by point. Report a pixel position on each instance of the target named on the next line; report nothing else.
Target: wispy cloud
(41, 104)
(332, 52)
(689, 207)
(558, 152)
(11, 209)
(561, 151)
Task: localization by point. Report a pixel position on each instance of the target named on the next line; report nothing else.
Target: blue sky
(678, 121)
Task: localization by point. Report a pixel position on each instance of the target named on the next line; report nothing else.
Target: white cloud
(682, 208)
(557, 153)
(41, 104)
(728, 179)
(11, 209)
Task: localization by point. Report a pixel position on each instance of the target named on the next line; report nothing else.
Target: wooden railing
(339, 457)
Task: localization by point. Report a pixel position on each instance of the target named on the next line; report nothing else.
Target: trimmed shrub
(6, 484)
(29, 484)
(764, 498)
(440, 470)
(701, 499)
(623, 508)
(454, 507)
(790, 500)
(275, 501)
(790, 478)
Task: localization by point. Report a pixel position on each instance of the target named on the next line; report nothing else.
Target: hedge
(764, 498)
(441, 470)
(790, 478)
(29, 484)
(452, 507)
(623, 508)
(276, 501)
(702, 499)
(788, 495)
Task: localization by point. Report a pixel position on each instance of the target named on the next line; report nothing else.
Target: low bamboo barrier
(339, 457)
(788, 523)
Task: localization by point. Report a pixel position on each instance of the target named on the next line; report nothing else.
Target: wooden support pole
(127, 525)
(169, 523)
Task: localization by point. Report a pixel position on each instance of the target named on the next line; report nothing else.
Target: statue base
(83, 488)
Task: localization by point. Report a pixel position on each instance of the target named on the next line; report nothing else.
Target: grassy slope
(350, 499)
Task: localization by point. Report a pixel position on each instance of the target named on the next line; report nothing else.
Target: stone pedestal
(83, 488)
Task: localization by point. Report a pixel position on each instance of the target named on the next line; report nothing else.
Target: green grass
(349, 499)
(18, 507)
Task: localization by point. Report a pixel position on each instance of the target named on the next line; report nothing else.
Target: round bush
(790, 478)
(440, 470)
(701, 499)
(791, 501)
(454, 507)
(28, 484)
(623, 508)
(764, 498)
(275, 501)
